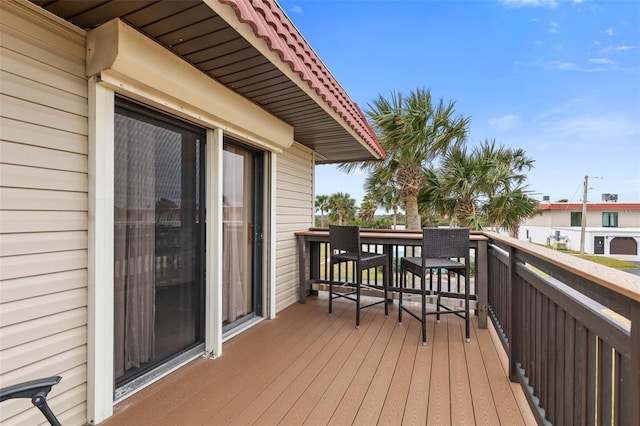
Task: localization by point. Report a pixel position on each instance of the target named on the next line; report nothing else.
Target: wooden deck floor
(305, 367)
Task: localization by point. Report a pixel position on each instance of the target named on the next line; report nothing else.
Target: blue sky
(559, 79)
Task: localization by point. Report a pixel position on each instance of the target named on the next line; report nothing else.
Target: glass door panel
(241, 235)
(158, 240)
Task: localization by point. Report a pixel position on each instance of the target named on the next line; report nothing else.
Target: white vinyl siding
(294, 212)
(43, 213)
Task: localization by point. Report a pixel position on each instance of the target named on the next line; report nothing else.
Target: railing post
(303, 249)
(482, 282)
(515, 317)
(635, 364)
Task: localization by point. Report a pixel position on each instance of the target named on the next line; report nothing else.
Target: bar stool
(442, 249)
(346, 248)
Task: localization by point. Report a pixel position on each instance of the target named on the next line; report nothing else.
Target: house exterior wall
(43, 211)
(44, 219)
(294, 212)
(542, 228)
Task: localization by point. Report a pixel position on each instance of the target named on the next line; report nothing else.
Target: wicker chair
(346, 248)
(442, 249)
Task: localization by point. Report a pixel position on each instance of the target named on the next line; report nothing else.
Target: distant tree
(322, 204)
(413, 132)
(367, 210)
(385, 193)
(342, 207)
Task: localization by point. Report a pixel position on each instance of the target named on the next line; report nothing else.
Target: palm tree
(386, 194)
(342, 207)
(413, 132)
(367, 210)
(322, 204)
(482, 189)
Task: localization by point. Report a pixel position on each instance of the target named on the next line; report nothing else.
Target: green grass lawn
(603, 260)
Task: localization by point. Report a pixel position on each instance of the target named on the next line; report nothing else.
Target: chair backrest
(444, 243)
(345, 238)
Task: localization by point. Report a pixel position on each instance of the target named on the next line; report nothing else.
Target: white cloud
(506, 122)
(530, 3)
(566, 66)
(553, 27)
(296, 9)
(608, 31)
(600, 61)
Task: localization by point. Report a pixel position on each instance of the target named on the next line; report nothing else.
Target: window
(576, 218)
(610, 219)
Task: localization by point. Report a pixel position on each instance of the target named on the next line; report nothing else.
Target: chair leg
(385, 285)
(439, 284)
(423, 282)
(330, 288)
(403, 279)
(358, 284)
(466, 307)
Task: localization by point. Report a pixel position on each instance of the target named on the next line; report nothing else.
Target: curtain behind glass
(234, 273)
(134, 244)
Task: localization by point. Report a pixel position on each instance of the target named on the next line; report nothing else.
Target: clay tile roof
(590, 206)
(270, 23)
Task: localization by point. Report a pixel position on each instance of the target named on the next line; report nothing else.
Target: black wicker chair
(346, 248)
(442, 249)
(37, 391)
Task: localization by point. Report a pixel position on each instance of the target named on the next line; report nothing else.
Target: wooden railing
(570, 327)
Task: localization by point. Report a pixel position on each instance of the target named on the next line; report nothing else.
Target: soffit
(193, 31)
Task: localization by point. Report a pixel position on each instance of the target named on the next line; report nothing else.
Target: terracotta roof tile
(270, 23)
(590, 206)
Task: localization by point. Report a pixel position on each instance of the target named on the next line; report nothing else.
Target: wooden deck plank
(308, 368)
(376, 394)
(153, 402)
(321, 382)
(461, 403)
(439, 412)
(309, 362)
(418, 398)
(325, 408)
(266, 369)
(483, 406)
(503, 397)
(394, 405)
(189, 393)
(350, 404)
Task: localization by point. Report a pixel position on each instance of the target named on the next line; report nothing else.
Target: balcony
(553, 342)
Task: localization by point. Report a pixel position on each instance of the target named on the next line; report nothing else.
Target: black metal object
(37, 391)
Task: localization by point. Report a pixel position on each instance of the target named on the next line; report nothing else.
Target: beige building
(611, 228)
(156, 160)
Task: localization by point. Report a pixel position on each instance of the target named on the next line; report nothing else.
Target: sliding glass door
(159, 243)
(242, 234)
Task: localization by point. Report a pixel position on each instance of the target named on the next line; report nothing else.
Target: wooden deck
(305, 367)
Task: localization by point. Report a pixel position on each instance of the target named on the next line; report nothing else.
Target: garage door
(623, 245)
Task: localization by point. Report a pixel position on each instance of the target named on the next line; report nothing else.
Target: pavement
(629, 258)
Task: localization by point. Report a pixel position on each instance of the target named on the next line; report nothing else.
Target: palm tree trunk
(413, 217)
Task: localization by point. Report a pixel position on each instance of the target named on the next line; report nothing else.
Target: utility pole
(584, 213)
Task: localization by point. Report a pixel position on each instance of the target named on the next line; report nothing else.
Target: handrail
(625, 284)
